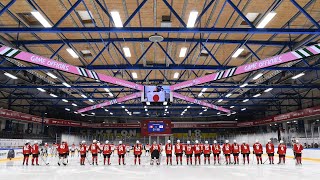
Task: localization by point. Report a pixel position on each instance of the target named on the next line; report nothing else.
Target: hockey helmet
(27, 141)
(107, 142)
(83, 142)
(137, 141)
(281, 141)
(169, 141)
(178, 141)
(206, 142)
(234, 141)
(227, 141)
(215, 142)
(94, 141)
(120, 142)
(188, 142)
(269, 140)
(243, 142)
(35, 142)
(257, 141)
(196, 141)
(297, 141)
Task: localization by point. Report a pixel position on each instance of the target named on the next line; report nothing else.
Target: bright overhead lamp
(183, 52)
(116, 18)
(204, 89)
(126, 110)
(228, 114)
(72, 53)
(188, 107)
(10, 75)
(52, 75)
(75, 112)
(93, 113)
(145, 106)
(246, 100)
(176, 75)
(219, 113)
(220, 100)
(205, 110)
(111, 113)
(66, 84)
(146, 110)
(82, 114)
(257, 76)
(147, 114)
(165, 103)
(297, 76)
(236, 119)
(123, 107)
(110, 94)
(234, 112)
(266, 20)
(237, 53)
(148, 103)
(42, 90)
(244, 85)
(200, 113)
(231, 107)
(134, 75)
(107, 90)
(181, 114)
(67, 109)
(126, 51)
(257, 95)
(41, 19)
(166, 110)
(267, 90)
(243, 109)
(91, 100)
(229, 94)
(53, 95)
(200, 94)
(185, 110)
(84, 96)
(106, 110)
(64, 100)
(192, 19)
(167, 107)
(73, 104)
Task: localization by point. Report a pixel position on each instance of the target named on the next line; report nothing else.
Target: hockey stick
(265, 161)
(88, 161)
(41, 157)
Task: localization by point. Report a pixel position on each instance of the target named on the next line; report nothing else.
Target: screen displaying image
(156, 93)
(155, 127)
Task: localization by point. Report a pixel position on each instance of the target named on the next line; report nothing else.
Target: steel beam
(55, 30)
(305, 13)
(177, 40)
(5, 8)
(67, 13)
(134, 13)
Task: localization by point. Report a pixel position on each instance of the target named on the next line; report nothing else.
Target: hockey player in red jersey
(35, 153)
(83, 152)
(258, 151)
(235, 151)
(26, 150)
(197, 148)
(155, 153)
(227, 150)
(282, 150)
(189, 152)
(270, 151)
(94, 148)
(121, 152)
(206, 152)
(178, 150)
(245, 151)
(216, 149)
(297, 148)
(137, 151)
(168, 149)
(63, 151)
(107, 151)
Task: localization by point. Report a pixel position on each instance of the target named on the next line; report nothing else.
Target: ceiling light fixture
(183, 52)
(192, 19)
(257, 76)
(244, 85)
(10, 75)
(41, 19)
(176, 75)
(237, 53)
(134, 75)
(257, 95)
(42, 90)
(126, 51)
(298, 75)
(66, 84)
(267, 90)
(53, 95)
(72, 53)
(228, 95)
(246, 100)
(266, 20)
(116, 18)
(64, 100)
(52, 75)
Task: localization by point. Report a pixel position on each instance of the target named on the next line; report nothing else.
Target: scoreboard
(155, 127)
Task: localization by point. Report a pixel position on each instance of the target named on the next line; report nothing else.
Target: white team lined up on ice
(189, 150)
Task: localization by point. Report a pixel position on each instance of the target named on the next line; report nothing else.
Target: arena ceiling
(221, 28)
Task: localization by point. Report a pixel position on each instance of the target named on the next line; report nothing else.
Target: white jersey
(147, 147)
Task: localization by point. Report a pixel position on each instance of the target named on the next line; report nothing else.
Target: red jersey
(245, 149)
(216, 149)
(282, 149)
(178, 148)
(106, 149)
(168, 148)
(270, 148)
(35, 149)
(206, 149)
(297, 148)
(155, 147)
(197, 148)
(257, 148)
(189, 149)
(227, 149)
(63, 148)
(137, 149)
(121, 149)
(83, 149)
(235, 148)
(26, 149)
(94, 148)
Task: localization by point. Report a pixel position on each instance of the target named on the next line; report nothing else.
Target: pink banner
(108, 103)
(276, 60)
(219, 124)
(202, 103)
(42, 61)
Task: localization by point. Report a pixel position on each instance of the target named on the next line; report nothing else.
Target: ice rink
(14, 170)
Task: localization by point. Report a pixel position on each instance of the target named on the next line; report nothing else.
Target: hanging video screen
(156, 93)
(155, 127)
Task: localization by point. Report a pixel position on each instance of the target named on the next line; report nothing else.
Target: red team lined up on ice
(188, 149)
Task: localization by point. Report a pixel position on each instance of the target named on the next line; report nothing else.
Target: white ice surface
(14, 170)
